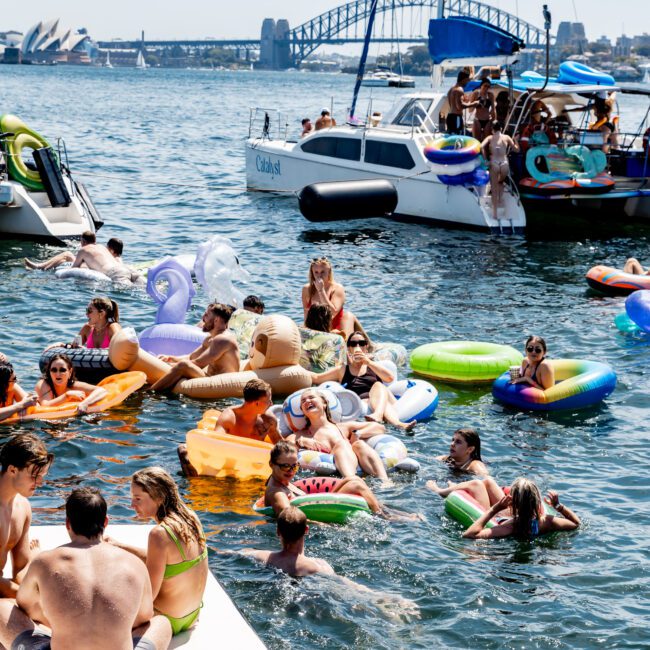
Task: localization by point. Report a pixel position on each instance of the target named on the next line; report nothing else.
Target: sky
(197, 19)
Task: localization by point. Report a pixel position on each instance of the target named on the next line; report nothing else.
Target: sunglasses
(359, 343)
(530, 348)
(288, 466)
(59, 370)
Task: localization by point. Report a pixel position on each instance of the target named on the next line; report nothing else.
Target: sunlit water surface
(162, 156)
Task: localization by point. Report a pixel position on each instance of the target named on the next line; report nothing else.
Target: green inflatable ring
(13, 147)
(463, 361)
(324, 507)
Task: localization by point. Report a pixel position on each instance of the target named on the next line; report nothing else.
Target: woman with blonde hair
(520, 513)
(177, 554)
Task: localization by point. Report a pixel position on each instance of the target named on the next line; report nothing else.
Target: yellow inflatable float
(119, 387)
(223, 455)
(274, 357)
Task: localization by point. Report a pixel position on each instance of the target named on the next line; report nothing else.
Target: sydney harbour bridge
(398, 21)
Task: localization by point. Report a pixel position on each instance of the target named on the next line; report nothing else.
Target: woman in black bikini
(536, 371)
(485, 111)
(465, 453)
(365, 377)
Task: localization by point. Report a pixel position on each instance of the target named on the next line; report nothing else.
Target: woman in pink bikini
(103, 322)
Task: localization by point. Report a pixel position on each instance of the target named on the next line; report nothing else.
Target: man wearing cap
(325, 121)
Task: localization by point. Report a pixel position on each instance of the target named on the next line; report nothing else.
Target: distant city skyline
(198, 19)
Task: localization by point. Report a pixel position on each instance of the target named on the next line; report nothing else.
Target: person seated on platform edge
(24, 463)
(218, 354)
(253, 304)
(108, 589)
(248, 420)
(177, 582)
(13, 398)
(465, 453)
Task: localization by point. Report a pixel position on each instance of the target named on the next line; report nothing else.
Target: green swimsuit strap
(172, 570)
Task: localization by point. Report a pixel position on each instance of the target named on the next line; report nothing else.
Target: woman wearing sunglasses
(365, 377)
(536, 371)
(59, 385)
(13, 398)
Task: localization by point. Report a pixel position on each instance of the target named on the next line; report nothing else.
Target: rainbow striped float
(611, 281)
(579, 383)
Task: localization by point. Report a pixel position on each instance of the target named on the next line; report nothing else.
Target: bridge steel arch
(325, 28)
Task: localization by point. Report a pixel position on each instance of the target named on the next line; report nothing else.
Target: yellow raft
(119, 387)
(220, 454)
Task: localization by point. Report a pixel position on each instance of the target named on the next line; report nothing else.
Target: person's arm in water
(28, 597)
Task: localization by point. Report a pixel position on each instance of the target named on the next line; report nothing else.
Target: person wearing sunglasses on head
(364, 376)
(536, 371)
(59, 385)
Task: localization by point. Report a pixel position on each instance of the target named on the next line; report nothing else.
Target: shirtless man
(457, 104)
(292, 528)
(91, 594)
(323, 434)
(325, 121)
(218, 354)
(248, 420)
(24, 463)
(495, 148)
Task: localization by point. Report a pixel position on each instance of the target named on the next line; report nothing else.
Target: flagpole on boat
(364, 56)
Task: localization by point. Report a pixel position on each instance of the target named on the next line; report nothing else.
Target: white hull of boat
(27, 214)
(272, 166)
(220, 624)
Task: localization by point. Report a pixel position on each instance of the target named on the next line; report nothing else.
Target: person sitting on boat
(218, 354)
(537, 131)
(24, 463)
(307, 127)
(291, 529)
(605, 123)
(59, 385)
(485, 112)
(253, 304)
(13, 399)
(325, 121)
(365, 377)
(632, 265)
(495, 148)
(89, 593)
(324, 435)
(520, 513)
(465, 453)
(457, 103)
(177, 554)
(535, 370)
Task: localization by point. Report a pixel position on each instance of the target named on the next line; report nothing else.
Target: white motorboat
(42, 201)
(393, 150)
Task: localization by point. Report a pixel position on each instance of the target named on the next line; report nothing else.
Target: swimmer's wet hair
(85, 510)
(292, 524)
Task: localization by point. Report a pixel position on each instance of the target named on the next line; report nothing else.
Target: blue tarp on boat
(459, 37)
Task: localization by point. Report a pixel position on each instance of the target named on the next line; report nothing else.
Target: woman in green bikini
(177, 555)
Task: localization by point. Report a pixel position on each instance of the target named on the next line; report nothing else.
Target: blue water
(163, 154)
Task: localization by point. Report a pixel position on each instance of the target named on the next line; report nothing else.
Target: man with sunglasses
(24, 463)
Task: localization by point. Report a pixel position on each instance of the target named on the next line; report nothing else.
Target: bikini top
(90, 340)
(172, 570)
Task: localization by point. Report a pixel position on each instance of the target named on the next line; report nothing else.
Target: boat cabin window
(345, 148)
(414, 113)
(389, 154)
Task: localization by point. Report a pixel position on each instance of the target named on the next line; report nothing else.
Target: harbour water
(162, 156)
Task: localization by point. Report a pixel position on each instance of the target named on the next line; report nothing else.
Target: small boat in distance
(383, 77)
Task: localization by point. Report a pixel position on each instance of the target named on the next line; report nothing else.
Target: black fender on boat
(90, 364)
(348, 200)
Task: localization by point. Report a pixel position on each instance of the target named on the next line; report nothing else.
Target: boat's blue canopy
(459, 37)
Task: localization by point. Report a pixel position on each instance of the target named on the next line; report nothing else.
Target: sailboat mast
(364, 56)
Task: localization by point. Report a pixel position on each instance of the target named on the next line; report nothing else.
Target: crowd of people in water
(140, 597)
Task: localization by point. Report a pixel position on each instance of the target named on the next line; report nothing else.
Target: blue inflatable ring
(452, 150)
(579, 383)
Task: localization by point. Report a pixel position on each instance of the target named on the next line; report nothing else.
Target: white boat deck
(220, 624)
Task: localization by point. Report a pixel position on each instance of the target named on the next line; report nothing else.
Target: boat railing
(267, 123)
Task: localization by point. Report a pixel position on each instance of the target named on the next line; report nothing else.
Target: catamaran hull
(421, 198)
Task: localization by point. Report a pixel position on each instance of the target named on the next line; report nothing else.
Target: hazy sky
(164, 19)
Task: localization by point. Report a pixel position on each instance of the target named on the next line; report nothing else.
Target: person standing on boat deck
(24, 463)
(325, 121)
(177, 555)
(89, 593)
(218, 354)
(485, 112)
(307, 127)
(455, 97)
(495, 148)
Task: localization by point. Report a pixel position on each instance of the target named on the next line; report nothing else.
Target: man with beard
(218, 354)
